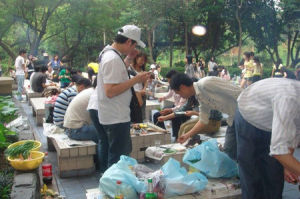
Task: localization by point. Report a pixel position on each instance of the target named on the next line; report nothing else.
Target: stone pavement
(76, 187)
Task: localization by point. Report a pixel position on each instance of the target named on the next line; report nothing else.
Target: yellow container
(36, 148)
(26, 165)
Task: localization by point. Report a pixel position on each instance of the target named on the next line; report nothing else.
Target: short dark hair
(247, 54)
(180, 79)
(43, 68)
(22, 51)
(189, 59)
(252, 54)
(95, 82)
(122, 39)
(37, 68)
(84, 81)
(171, 73)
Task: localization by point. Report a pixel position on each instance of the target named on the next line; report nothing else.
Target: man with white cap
(114, 93)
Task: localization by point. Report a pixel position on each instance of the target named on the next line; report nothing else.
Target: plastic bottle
(119, 194)
(47, 170)
(150, 193)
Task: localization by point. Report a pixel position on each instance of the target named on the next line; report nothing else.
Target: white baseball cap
(132, 32)
(152, 66)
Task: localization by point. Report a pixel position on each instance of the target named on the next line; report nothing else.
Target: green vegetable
(169, 151)
(22, 149)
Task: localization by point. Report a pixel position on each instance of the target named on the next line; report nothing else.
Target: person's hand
(290, 177)
(189, 113)
(143, 76)
(183, 138)
(166, 111)
(160, 99)
(143, 92)
(161, 118)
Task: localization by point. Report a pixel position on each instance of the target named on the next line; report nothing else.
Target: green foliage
(165, 70)
(77, 30)
(7, 137)
(7, 109)
(6, 182)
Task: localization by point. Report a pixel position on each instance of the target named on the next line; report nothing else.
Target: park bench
(6, 85)
(31, 94)
(74, 158)
(140, 142)
(38, 109)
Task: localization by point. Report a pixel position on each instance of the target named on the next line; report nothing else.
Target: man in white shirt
(213, 93)
(114, 93)
(268, 130)
(20, 72)
(211, 64)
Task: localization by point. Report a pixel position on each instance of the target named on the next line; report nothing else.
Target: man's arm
(166, 117)
(112, 90)
(289, 162)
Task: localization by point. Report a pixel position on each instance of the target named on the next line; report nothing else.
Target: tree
(291, 19)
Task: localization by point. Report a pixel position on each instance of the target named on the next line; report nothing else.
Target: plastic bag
(179, 182)
(121, 171)
(210, 160)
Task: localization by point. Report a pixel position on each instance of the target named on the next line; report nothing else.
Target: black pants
(261, 175)
(155, 119)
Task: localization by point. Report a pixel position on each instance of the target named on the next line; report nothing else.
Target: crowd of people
(263, 114)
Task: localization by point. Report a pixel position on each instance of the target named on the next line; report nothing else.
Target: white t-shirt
(77, 115)
(112, 70)
(138, 86)
(93, 102)
(18, 64)
(211, 65)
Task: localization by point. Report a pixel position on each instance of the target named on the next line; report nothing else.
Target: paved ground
(75, 188)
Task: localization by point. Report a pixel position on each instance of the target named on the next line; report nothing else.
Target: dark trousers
(261, 175)
(119, 141)
(256, 78)
(176, 123)
(155, 119)
(103, 141)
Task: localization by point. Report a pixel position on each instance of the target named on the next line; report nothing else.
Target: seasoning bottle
(150, 193)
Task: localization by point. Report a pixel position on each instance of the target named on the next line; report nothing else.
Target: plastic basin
(25, 165)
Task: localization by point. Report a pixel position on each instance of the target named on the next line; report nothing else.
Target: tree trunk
(295, 56)
(7, 49)
(288, 48)
(149, 40)
(186, 43)
(238, 18)
(276, 53)
(171, 54)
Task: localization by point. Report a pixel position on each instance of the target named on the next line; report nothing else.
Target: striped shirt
(61, 105)
(273, 105)
(214, 93)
